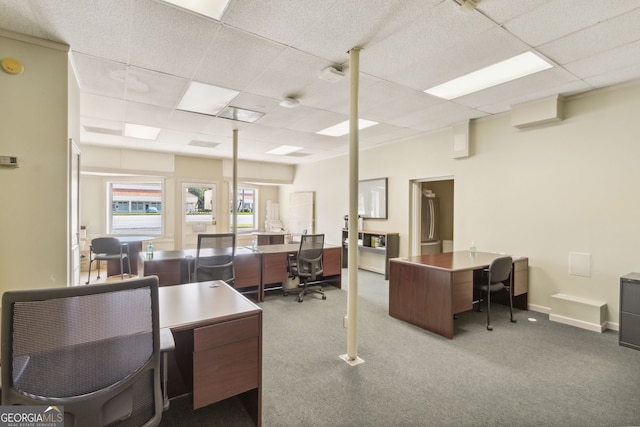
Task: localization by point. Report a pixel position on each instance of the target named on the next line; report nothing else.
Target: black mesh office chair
(93, 349)
(496, 278)
(108, 249)
(214, 258)
(306, 264)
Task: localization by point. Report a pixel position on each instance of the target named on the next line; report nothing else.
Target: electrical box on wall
(9, 161)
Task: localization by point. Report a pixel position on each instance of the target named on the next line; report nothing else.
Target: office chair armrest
(166, 340)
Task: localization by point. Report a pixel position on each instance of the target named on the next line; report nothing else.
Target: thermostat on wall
(9, 161)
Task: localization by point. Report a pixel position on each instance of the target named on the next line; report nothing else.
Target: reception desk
(428, 290)
(264, 268)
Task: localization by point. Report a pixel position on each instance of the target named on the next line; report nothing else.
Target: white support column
(234, 183)
(352, 305)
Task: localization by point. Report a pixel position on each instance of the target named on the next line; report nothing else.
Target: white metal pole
(234, 183)
(352, 313)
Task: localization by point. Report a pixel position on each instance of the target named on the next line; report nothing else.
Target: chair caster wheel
(324, 297)
(489, 328)
(513, 320)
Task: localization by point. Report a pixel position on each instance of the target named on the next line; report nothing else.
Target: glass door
(199, 209)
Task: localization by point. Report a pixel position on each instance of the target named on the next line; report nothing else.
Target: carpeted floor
(531, 373)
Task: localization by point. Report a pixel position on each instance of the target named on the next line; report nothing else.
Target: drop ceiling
(135, 58)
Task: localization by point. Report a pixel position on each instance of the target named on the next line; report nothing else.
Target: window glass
(246, 203)
(136, 207)
(199, 203)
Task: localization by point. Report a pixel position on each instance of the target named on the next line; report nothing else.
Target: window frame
(141, 180)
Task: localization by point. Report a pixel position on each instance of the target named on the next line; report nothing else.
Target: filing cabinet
(629, 329)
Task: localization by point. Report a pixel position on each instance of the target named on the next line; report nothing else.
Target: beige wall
(543, 192)
(33, 126)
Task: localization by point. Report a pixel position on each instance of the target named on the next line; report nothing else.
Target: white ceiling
(134, 59)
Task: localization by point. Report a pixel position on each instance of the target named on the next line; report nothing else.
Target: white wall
(33, 126)
(543, 192)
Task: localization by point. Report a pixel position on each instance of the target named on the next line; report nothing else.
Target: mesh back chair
(496, 278)
(307, 264)
(93, 350)
(106, 249)
(214, 258)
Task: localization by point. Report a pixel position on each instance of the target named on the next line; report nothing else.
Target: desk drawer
(212, 336)
(225, 371)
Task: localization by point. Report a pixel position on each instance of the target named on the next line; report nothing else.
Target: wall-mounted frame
(372, 198)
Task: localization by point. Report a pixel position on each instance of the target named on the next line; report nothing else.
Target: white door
(199, 210)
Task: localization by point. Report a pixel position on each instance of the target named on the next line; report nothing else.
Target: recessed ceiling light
(206, 144)
(206, 99)
(343, 128)
(240, 114)
(284, 149)
(141, 131)
(502, 72)
(211, 8)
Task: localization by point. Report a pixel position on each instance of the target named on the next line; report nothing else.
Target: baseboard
(577, 323)
(539, 308)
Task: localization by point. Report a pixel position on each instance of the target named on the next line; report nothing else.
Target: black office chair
(108, 249)
(94, 350)
(214, 258)
(496, 278)
(306, 264)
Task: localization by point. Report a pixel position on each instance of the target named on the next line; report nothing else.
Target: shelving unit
(381, 245)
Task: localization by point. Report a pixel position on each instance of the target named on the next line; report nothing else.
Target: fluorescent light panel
(211, 8)
(493, 75)
(343, 128)
(206, 99)
(141, 131)
(284, 150)
(240, 114)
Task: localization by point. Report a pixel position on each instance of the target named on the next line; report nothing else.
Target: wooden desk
(428, 290)
(261, 268)
(274, 264)
(173, 267)
(218, 337)
(270, 237)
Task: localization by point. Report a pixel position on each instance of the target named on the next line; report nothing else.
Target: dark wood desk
(274, 264)
(263, 268)
(428, 290)
(218, 338)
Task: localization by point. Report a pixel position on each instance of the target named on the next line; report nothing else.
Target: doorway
(431, 216)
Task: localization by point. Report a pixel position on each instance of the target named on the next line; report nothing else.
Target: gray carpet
(531, 373)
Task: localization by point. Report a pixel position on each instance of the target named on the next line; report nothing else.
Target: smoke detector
(289, 103)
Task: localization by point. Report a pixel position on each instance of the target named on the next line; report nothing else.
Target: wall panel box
(546, 110)
(580, 312)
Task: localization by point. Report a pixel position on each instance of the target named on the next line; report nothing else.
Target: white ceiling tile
(145, 114)
(20, 17)
(99, 106)
(235, 59)
(559, 18)
(98, 28)
(593, 40)
(167, 40)
(276, 20)
(150, 87)
(101, 76)
(504, 10)
(615, 77)
(611, 60)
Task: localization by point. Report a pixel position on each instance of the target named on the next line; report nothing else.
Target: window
(246, 203)
(199, 203)
(136, 207)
